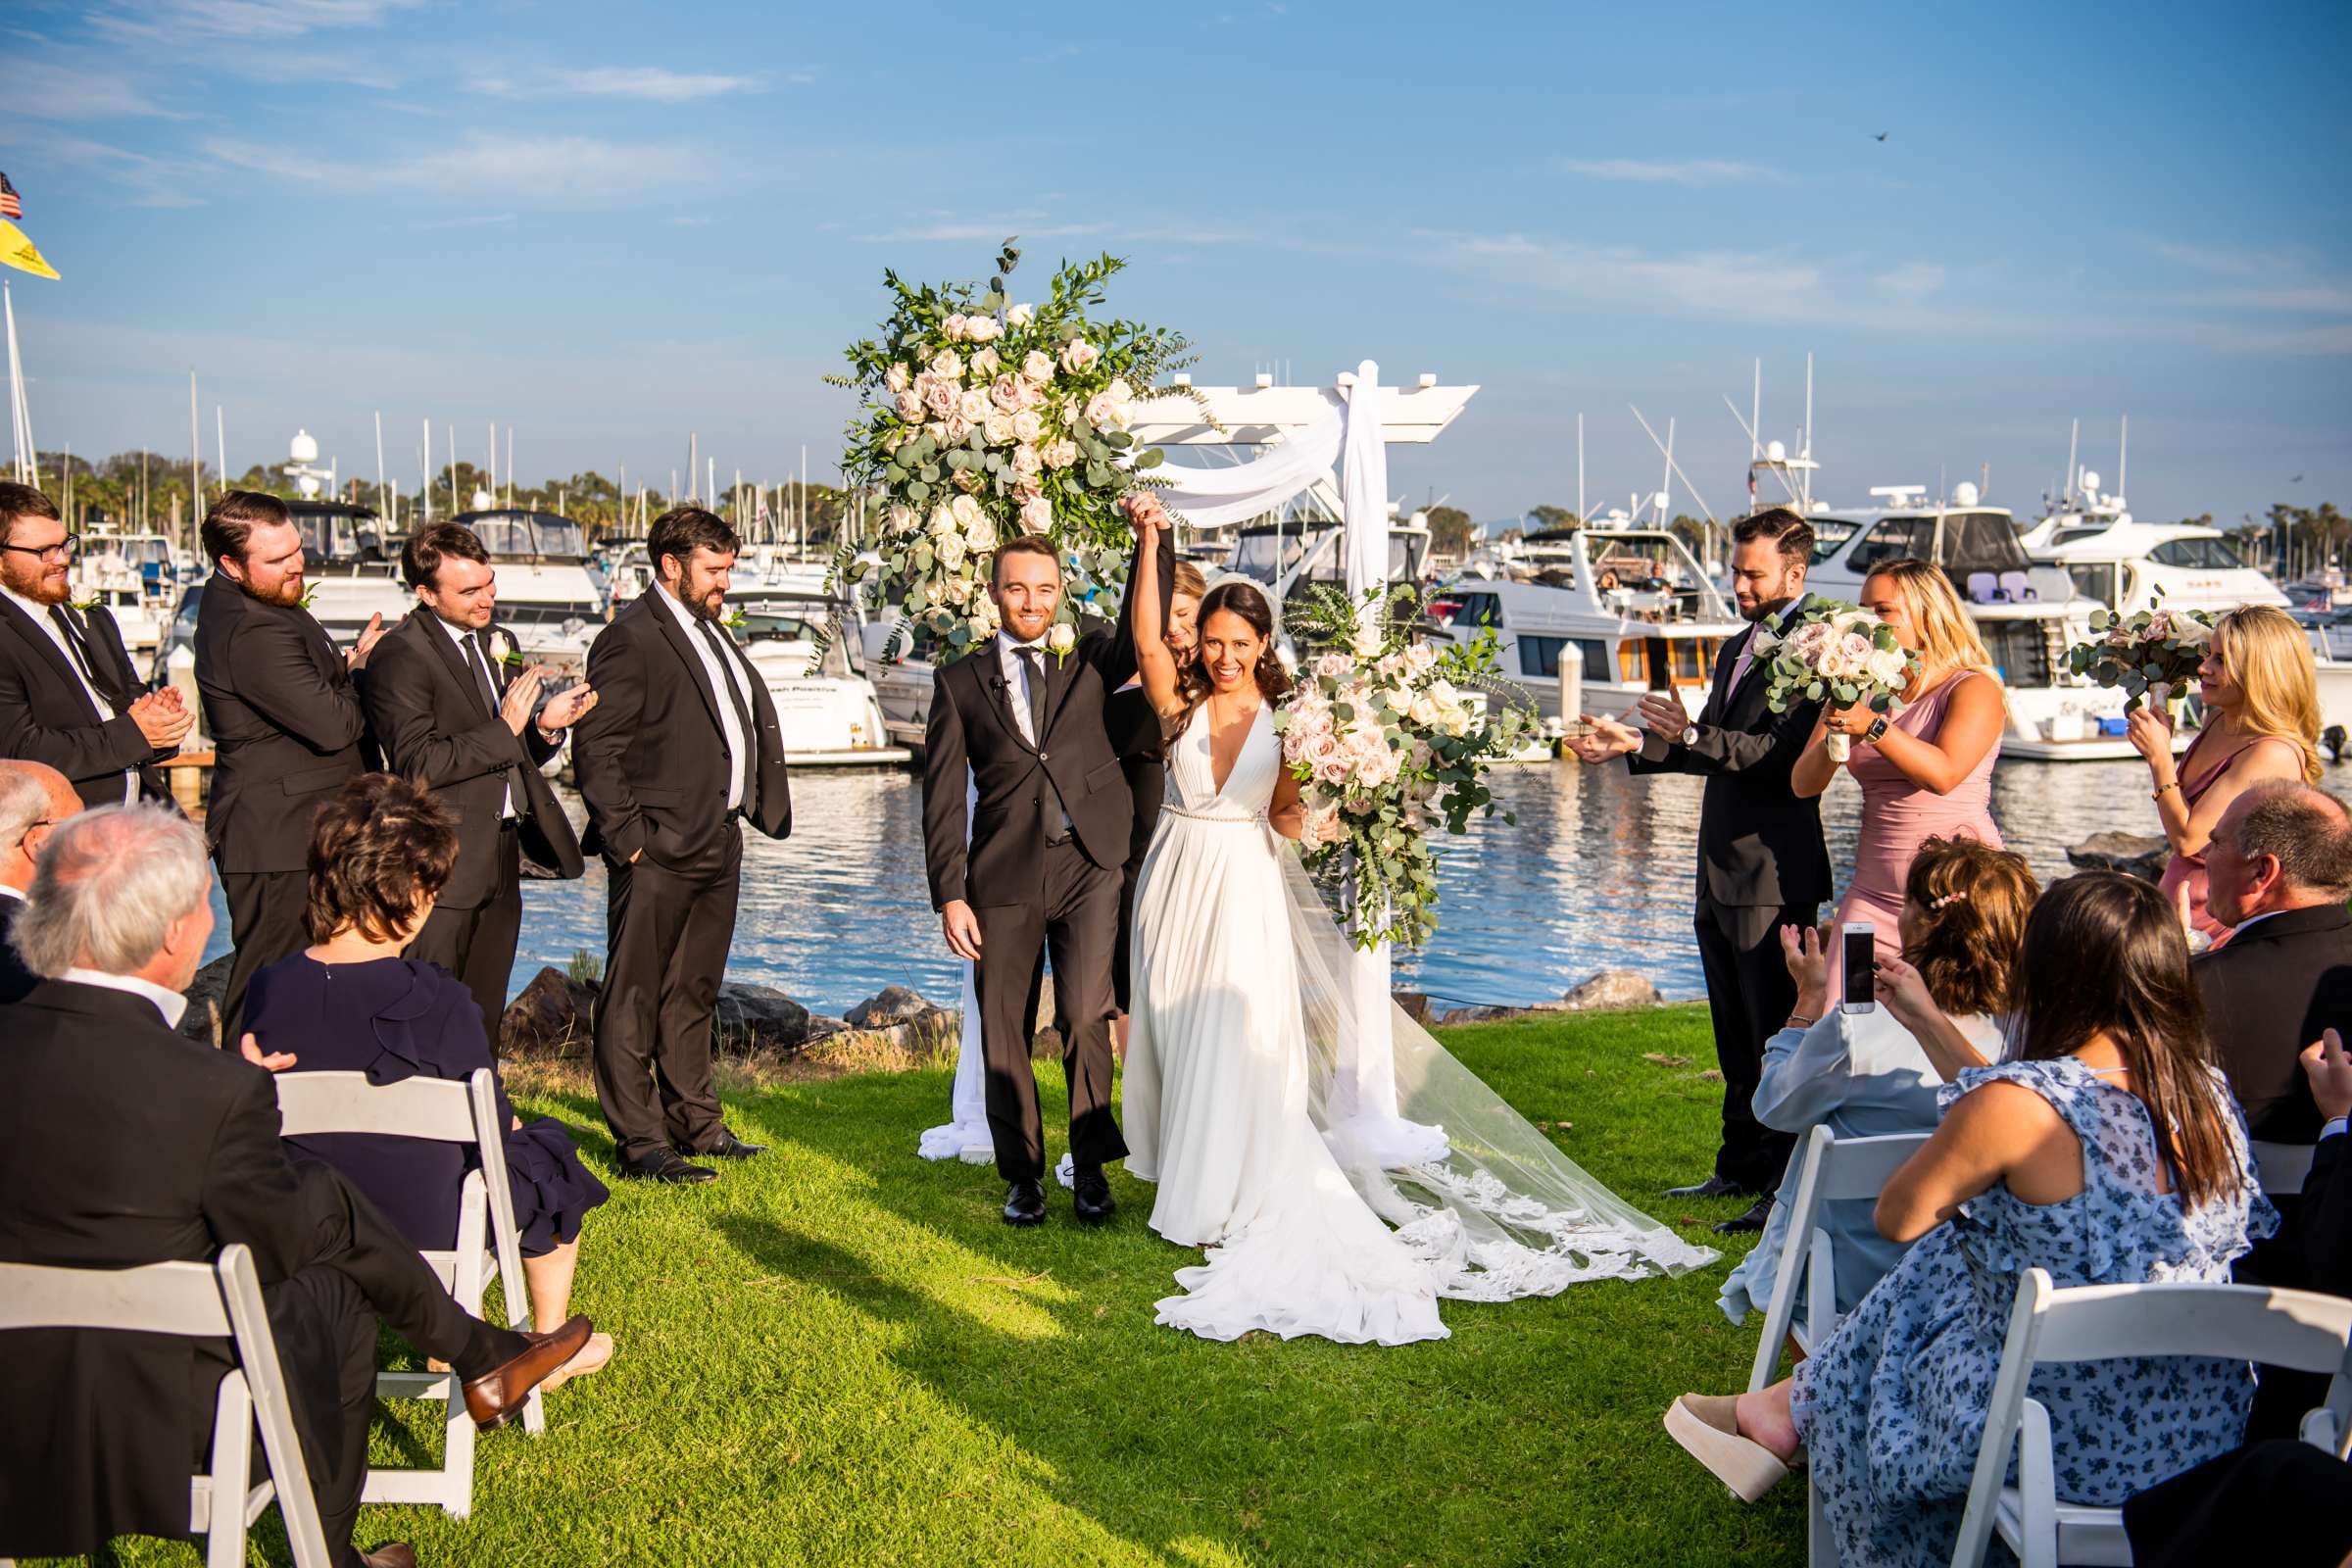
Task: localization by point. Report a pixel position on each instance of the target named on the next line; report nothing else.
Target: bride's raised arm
(1155, 665)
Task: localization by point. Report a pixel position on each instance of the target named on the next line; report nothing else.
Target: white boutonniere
(1059, 641)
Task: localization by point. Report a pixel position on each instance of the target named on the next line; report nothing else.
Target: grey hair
(24, 800)
(111, 882)
(2305, 829)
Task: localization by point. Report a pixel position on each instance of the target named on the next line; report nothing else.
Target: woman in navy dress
(380, 853)
(1135, 735)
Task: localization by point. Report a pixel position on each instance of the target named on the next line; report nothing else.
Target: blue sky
(611, 226)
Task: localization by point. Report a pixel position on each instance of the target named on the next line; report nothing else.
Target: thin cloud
(1693, 172)
(648, 83)
(544, 168)
(49, 89)
(182, 19)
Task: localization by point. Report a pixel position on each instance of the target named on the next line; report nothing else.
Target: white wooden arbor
(1263, 415)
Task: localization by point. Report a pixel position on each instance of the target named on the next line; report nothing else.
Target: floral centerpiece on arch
(981, 418)
(1388, 742)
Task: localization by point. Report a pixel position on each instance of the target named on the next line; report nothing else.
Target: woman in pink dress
(2262, 722)
(1926, 771)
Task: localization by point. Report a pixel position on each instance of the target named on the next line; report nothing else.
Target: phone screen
(1861, 974)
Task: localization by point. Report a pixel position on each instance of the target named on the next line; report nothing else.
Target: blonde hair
(1190, 582)
(2269, 658)
(1947, 638)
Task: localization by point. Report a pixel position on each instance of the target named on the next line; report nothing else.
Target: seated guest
(121, 1144)
(2326, 1208)
(2105, 1151)
(2279, 1504)
(2279, 870)
(1864, 1074)
(33, 798)
(380, 849)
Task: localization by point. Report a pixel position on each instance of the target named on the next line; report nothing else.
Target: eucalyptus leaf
(917, 490)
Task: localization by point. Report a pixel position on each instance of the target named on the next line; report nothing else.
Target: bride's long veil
(1498, 1210)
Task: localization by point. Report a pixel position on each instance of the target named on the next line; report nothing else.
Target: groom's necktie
(1033, 684)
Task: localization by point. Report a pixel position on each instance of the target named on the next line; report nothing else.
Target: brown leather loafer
(497, 1396)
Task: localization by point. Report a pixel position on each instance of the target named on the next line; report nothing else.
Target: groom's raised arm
(946, 769)
(1114, 656)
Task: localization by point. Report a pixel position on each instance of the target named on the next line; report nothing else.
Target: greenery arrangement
(2155, 654)
(981, 418)
(1388, 742)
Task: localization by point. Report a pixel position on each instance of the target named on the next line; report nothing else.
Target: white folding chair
(2299, 1329)
(2282, 1167)
(311, 1104)
(1831, 1168)
(219, 1299)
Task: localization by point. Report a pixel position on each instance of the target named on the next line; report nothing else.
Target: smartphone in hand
(1860, 942)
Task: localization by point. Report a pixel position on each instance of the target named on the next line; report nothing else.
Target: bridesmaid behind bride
(1927, 771)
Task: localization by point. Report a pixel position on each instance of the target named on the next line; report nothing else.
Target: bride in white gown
(1226, 1078)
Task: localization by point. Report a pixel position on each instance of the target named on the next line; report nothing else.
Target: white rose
(1103, 412)
(1887, 666)
(943, 520)
(896, 378)
(904, 518)
(1062, 454)
(1037, 516)
(1061, 639)
(982, 329)
(957, 430)
(1025, 461)
(985, 363)
(910, 408)
(980, 628)
(967, 480)
(947, 365)
(1365, 643)
(999, 425)
(973, 406)
(1027, 426)
(949, 552)
(955, 326)
(1077, 355)
(941, 398)
(1120, 390)
(937, 431)
(965, 512)
(981, 535)
(1036, 368)
(1021, 316)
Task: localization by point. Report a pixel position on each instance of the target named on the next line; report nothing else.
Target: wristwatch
(1690, 735)
(1877, 727)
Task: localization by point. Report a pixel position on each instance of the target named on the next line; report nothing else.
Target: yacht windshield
(1267, 554)
(528, 536)
(2212, 555)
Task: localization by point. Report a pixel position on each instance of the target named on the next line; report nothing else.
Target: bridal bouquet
(1839, 654)
(2153, 655)
(981, 418)
(1389, 740)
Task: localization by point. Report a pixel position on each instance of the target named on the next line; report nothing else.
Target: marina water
(1596, 873)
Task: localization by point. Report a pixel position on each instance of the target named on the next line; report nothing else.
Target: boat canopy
(536, 536)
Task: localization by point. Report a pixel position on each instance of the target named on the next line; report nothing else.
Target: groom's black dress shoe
(1025, 1202)
(1090, 1193)
(1753, 1220)
(1712, 1187)
(728, 1146)
(664, 1165)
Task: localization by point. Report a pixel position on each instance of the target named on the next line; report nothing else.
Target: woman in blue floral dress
(2107, 1151)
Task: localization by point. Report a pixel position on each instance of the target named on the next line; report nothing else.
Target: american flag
(10, 206)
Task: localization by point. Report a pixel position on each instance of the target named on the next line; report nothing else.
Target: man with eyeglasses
(33, 800)
(68, 696)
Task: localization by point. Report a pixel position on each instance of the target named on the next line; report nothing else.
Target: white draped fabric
(966, 1135)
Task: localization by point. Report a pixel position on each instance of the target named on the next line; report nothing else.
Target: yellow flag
(17, 251)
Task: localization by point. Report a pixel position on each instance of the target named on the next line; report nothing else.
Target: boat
(551, 598)
(1629, 608)
(135, 577)
(351, 567)
(2026, 613)
(825, 705)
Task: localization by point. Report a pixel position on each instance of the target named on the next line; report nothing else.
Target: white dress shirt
(1015, 670)
(469, 651)
(171, 1004)
(726, 671)
(99, 710)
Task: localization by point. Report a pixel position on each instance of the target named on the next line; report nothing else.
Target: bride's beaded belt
(1173, 809)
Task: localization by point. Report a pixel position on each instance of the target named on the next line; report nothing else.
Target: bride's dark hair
(1193, 684)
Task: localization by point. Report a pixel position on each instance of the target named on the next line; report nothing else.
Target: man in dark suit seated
(450, 717)
(33, 798)
(68, 696)
(120, 1144)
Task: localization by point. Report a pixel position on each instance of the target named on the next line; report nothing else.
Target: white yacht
(352, 568)
(136, 576)
(550, 597)
(1628, 607)
(825, 705)
(2026, 613)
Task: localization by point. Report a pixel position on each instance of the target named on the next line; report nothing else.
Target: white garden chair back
(219, 1299)
(311, 1104)
(1831, 1168)
(2299, 1329)
(2282, 1167)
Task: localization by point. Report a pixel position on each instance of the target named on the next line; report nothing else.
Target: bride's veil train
(1472, 1188)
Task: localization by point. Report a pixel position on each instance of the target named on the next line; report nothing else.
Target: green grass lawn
(838, 1354)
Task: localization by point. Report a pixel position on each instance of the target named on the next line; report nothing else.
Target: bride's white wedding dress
(1241, 1010)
